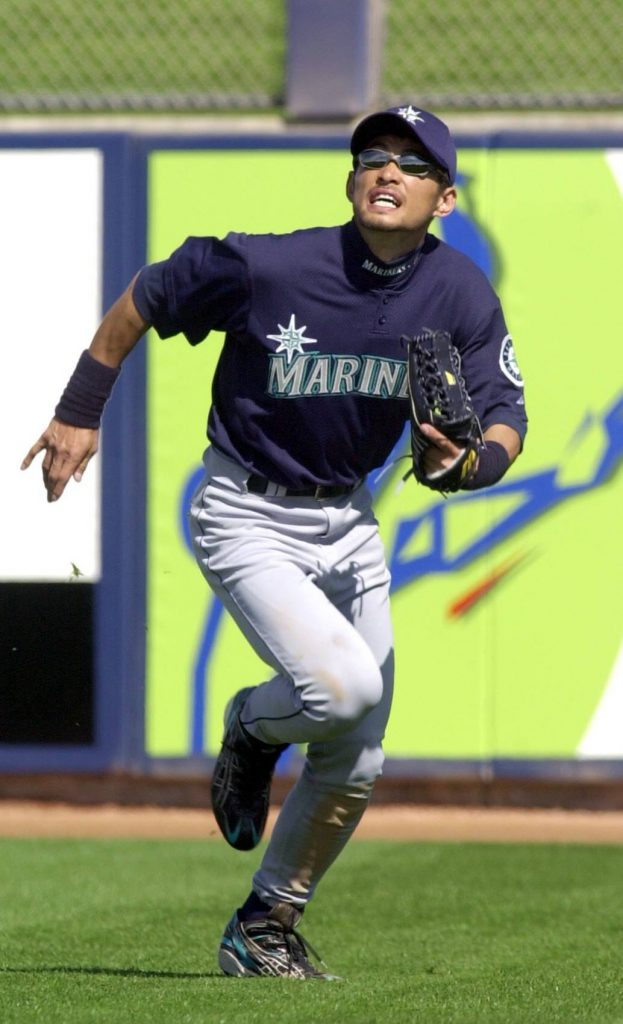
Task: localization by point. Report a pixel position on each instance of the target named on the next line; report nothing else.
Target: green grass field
(127, 930)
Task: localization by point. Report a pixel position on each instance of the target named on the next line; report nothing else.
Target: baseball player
(309, 396)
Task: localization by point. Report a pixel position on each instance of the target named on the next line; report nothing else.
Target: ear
(446, 202)
(350, 186)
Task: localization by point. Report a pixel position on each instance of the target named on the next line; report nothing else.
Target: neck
(388, 246)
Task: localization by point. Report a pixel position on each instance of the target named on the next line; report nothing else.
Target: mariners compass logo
(411, 115)
(291, 339)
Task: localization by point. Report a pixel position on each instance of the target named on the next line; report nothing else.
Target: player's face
(392, 208)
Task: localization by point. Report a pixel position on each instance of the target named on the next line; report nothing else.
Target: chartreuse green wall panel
(506, 603)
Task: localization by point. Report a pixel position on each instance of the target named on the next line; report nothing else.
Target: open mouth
(384, 201)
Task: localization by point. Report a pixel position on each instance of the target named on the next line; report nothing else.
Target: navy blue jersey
(311, 384)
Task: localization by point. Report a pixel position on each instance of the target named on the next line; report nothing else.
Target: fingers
(437, 438)
(60, 469)
(56, 476)
(56, 471)
(36, 448)
(441, 453)
(79, 472)
(68, 451)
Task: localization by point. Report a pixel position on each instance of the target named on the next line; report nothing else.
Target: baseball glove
(438, 396)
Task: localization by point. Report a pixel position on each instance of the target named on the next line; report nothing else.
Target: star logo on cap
(291, 339)
(410, 114)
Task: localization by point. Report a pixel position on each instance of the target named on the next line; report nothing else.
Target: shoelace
(297, 947)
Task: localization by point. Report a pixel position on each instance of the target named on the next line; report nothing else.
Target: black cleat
(241, 780)
(269, 947)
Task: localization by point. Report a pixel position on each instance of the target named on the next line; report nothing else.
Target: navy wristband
(493, 461)
(88, 389)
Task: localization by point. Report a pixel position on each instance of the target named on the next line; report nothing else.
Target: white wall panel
(50, 280)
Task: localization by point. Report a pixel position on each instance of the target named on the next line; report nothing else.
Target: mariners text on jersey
(317, 374)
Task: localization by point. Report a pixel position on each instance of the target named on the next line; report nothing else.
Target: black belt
(259, 485)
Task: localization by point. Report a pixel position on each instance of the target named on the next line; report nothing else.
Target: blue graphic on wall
(534, 497)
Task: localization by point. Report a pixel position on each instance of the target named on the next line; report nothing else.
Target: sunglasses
(409, 163)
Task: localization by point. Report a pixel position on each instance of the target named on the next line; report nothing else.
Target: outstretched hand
(68, 451)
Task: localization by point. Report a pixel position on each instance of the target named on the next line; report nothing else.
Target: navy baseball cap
(433, 133)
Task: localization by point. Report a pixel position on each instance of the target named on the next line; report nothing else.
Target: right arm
(119, 332)
(69, 447)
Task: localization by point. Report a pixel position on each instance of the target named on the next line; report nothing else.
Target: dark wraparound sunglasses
(409, 163)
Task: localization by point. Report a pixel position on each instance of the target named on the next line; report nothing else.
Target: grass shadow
(115, 972)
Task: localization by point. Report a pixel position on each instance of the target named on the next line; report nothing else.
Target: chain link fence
(210, 55)
(141, 55)
(514, 55)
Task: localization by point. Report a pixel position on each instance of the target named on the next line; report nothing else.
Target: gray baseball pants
(307, 583)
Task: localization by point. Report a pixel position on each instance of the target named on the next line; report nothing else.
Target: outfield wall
(507, 604)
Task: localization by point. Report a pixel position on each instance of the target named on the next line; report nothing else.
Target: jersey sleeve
(202, 286)
(492, 374)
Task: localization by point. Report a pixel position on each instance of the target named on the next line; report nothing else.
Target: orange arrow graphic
(466, 603)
